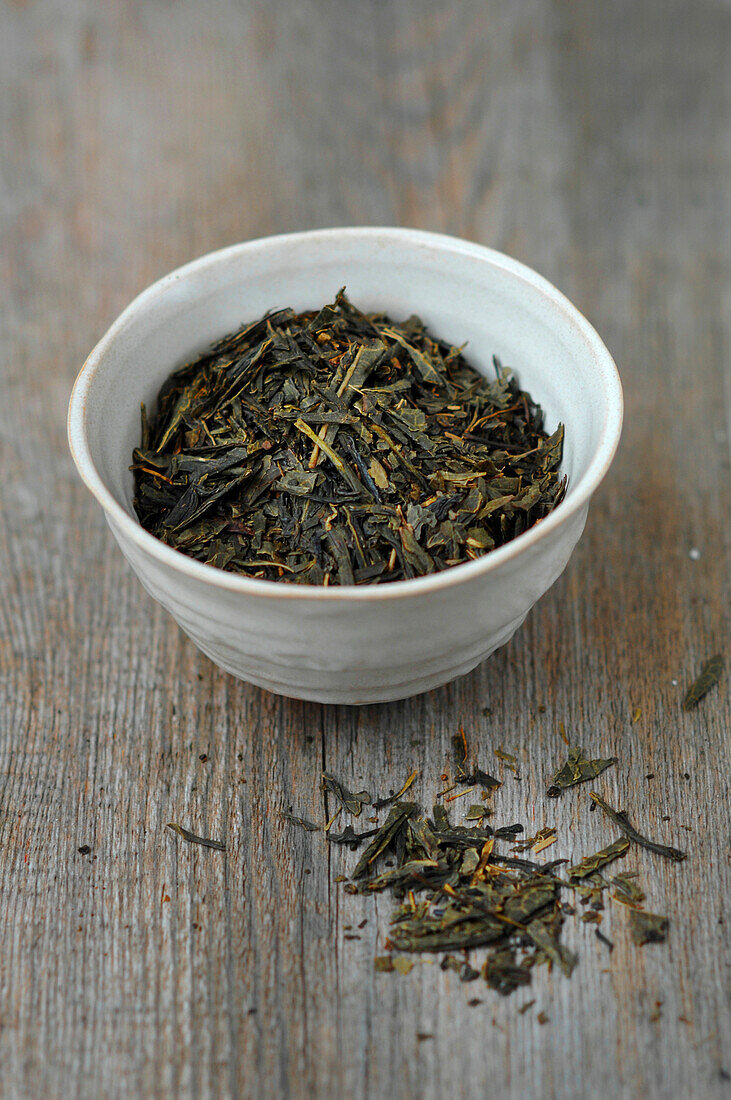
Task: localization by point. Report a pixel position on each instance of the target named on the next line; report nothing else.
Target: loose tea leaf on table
(384, 837)
(349, 836)
(709, 676)
(193, 838)
(577, 769)
(590, 864)
(626, 890)
(350, 801)
(337, 447)
(380, 803)
(620, 819)
(647, 927)
(303, 823)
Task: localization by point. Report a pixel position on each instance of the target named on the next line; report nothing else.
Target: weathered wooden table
(590, 140)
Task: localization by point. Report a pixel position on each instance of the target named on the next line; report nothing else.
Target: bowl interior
(463, 293)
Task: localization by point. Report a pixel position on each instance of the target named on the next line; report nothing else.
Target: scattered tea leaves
(193, 838)
(709, 676)
(647, 927)
(577, 769)
(620, 818)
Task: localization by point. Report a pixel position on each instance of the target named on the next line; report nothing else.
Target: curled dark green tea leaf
(592, 863)
(577, 769)
(709, 676)
(350, 801)
(335, 447)
(647, 927)
(193, 838)
(620, 818)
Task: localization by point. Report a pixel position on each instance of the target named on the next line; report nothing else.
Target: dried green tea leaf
(461, 967)
(589, 864)
(350, 801)
(383, 964)
(385, 837)
(626, 890)
(509, 832)
(577, 769)
(509, 761)
(301, 821)
(477, 812)
(459, 745)
(380, 803)
(647, 927)
(504, 973)
(192, 838)
(546, 937)
(407, 876)
(620, 819)
(542, 839)
(506, 757)
(349, 836)
(709, 676)
(483, 779)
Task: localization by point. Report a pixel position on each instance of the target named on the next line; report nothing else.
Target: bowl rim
(581, 493)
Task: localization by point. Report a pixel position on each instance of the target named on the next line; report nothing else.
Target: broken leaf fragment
(647, 927)
(577, 769)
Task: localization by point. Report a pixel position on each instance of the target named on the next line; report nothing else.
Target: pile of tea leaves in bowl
(339, 448)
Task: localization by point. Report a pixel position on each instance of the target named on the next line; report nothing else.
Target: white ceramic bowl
(377, 642)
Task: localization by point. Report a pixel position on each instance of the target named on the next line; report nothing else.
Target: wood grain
(591, 141)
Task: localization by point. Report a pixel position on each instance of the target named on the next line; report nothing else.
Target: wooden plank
(588, 140)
